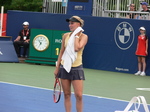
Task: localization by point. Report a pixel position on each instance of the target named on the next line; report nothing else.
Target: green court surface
(98, 83)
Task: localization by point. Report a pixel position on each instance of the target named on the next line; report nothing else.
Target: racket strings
(57, 92)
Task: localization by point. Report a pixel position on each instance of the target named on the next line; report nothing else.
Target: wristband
(56, 63)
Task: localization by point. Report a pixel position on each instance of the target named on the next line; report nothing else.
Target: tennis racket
(57, 91)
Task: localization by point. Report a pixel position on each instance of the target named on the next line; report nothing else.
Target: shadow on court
(19, 98)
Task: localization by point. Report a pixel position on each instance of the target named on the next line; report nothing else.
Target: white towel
(69, 55)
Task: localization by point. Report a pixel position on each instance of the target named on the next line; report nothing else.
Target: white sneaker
(138, 73)
(142, 74)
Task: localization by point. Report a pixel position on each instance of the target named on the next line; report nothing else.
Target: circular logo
(124, 35)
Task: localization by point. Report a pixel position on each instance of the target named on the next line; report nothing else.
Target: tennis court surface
(28, 88)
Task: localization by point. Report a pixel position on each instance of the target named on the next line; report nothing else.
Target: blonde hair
(79, 19)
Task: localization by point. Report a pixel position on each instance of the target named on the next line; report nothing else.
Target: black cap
(76, 19)
(73, 20)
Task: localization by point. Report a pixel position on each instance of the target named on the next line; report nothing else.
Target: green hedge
(24, 5)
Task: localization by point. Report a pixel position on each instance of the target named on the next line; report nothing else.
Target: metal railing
(101, 8)
(116, 8)
(123, 14)
(55, 6)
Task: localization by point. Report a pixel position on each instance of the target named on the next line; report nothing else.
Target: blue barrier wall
(7, 52)
(112, 41)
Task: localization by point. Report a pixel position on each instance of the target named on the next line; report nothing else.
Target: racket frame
(56, 100)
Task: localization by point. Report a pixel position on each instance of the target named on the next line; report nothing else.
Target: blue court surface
(22, 98)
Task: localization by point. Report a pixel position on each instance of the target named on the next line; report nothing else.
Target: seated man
(23, 39)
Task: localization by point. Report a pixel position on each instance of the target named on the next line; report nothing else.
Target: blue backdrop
(112, 41)
(80, 8)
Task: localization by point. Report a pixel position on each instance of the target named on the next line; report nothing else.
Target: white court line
(52, 90)
(143, 89)
(26, 86)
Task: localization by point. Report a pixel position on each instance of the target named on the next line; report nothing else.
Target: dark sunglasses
(132, 5)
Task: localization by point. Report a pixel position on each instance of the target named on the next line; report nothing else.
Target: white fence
(116, 8)
(55, 6)
(101, 8)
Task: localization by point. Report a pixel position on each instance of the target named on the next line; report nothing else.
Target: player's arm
(60, 54)
(147, 46)
(61, 50)
(18, 38)
(127, 16)
(80, 42)
(135, 16)
(28, 40)
(137, 46)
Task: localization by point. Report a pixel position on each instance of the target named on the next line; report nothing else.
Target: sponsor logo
(58, 40)
(122, 69)
(124, 35)
(78, 7)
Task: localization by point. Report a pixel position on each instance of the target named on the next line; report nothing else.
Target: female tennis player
(69, 64)
(141, 51)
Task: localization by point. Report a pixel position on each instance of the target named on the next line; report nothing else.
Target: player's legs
(78, 89)
(139, 66)
(139, 63)
(17, 45)
(25, 46)
(66, 85)
(143, 63)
